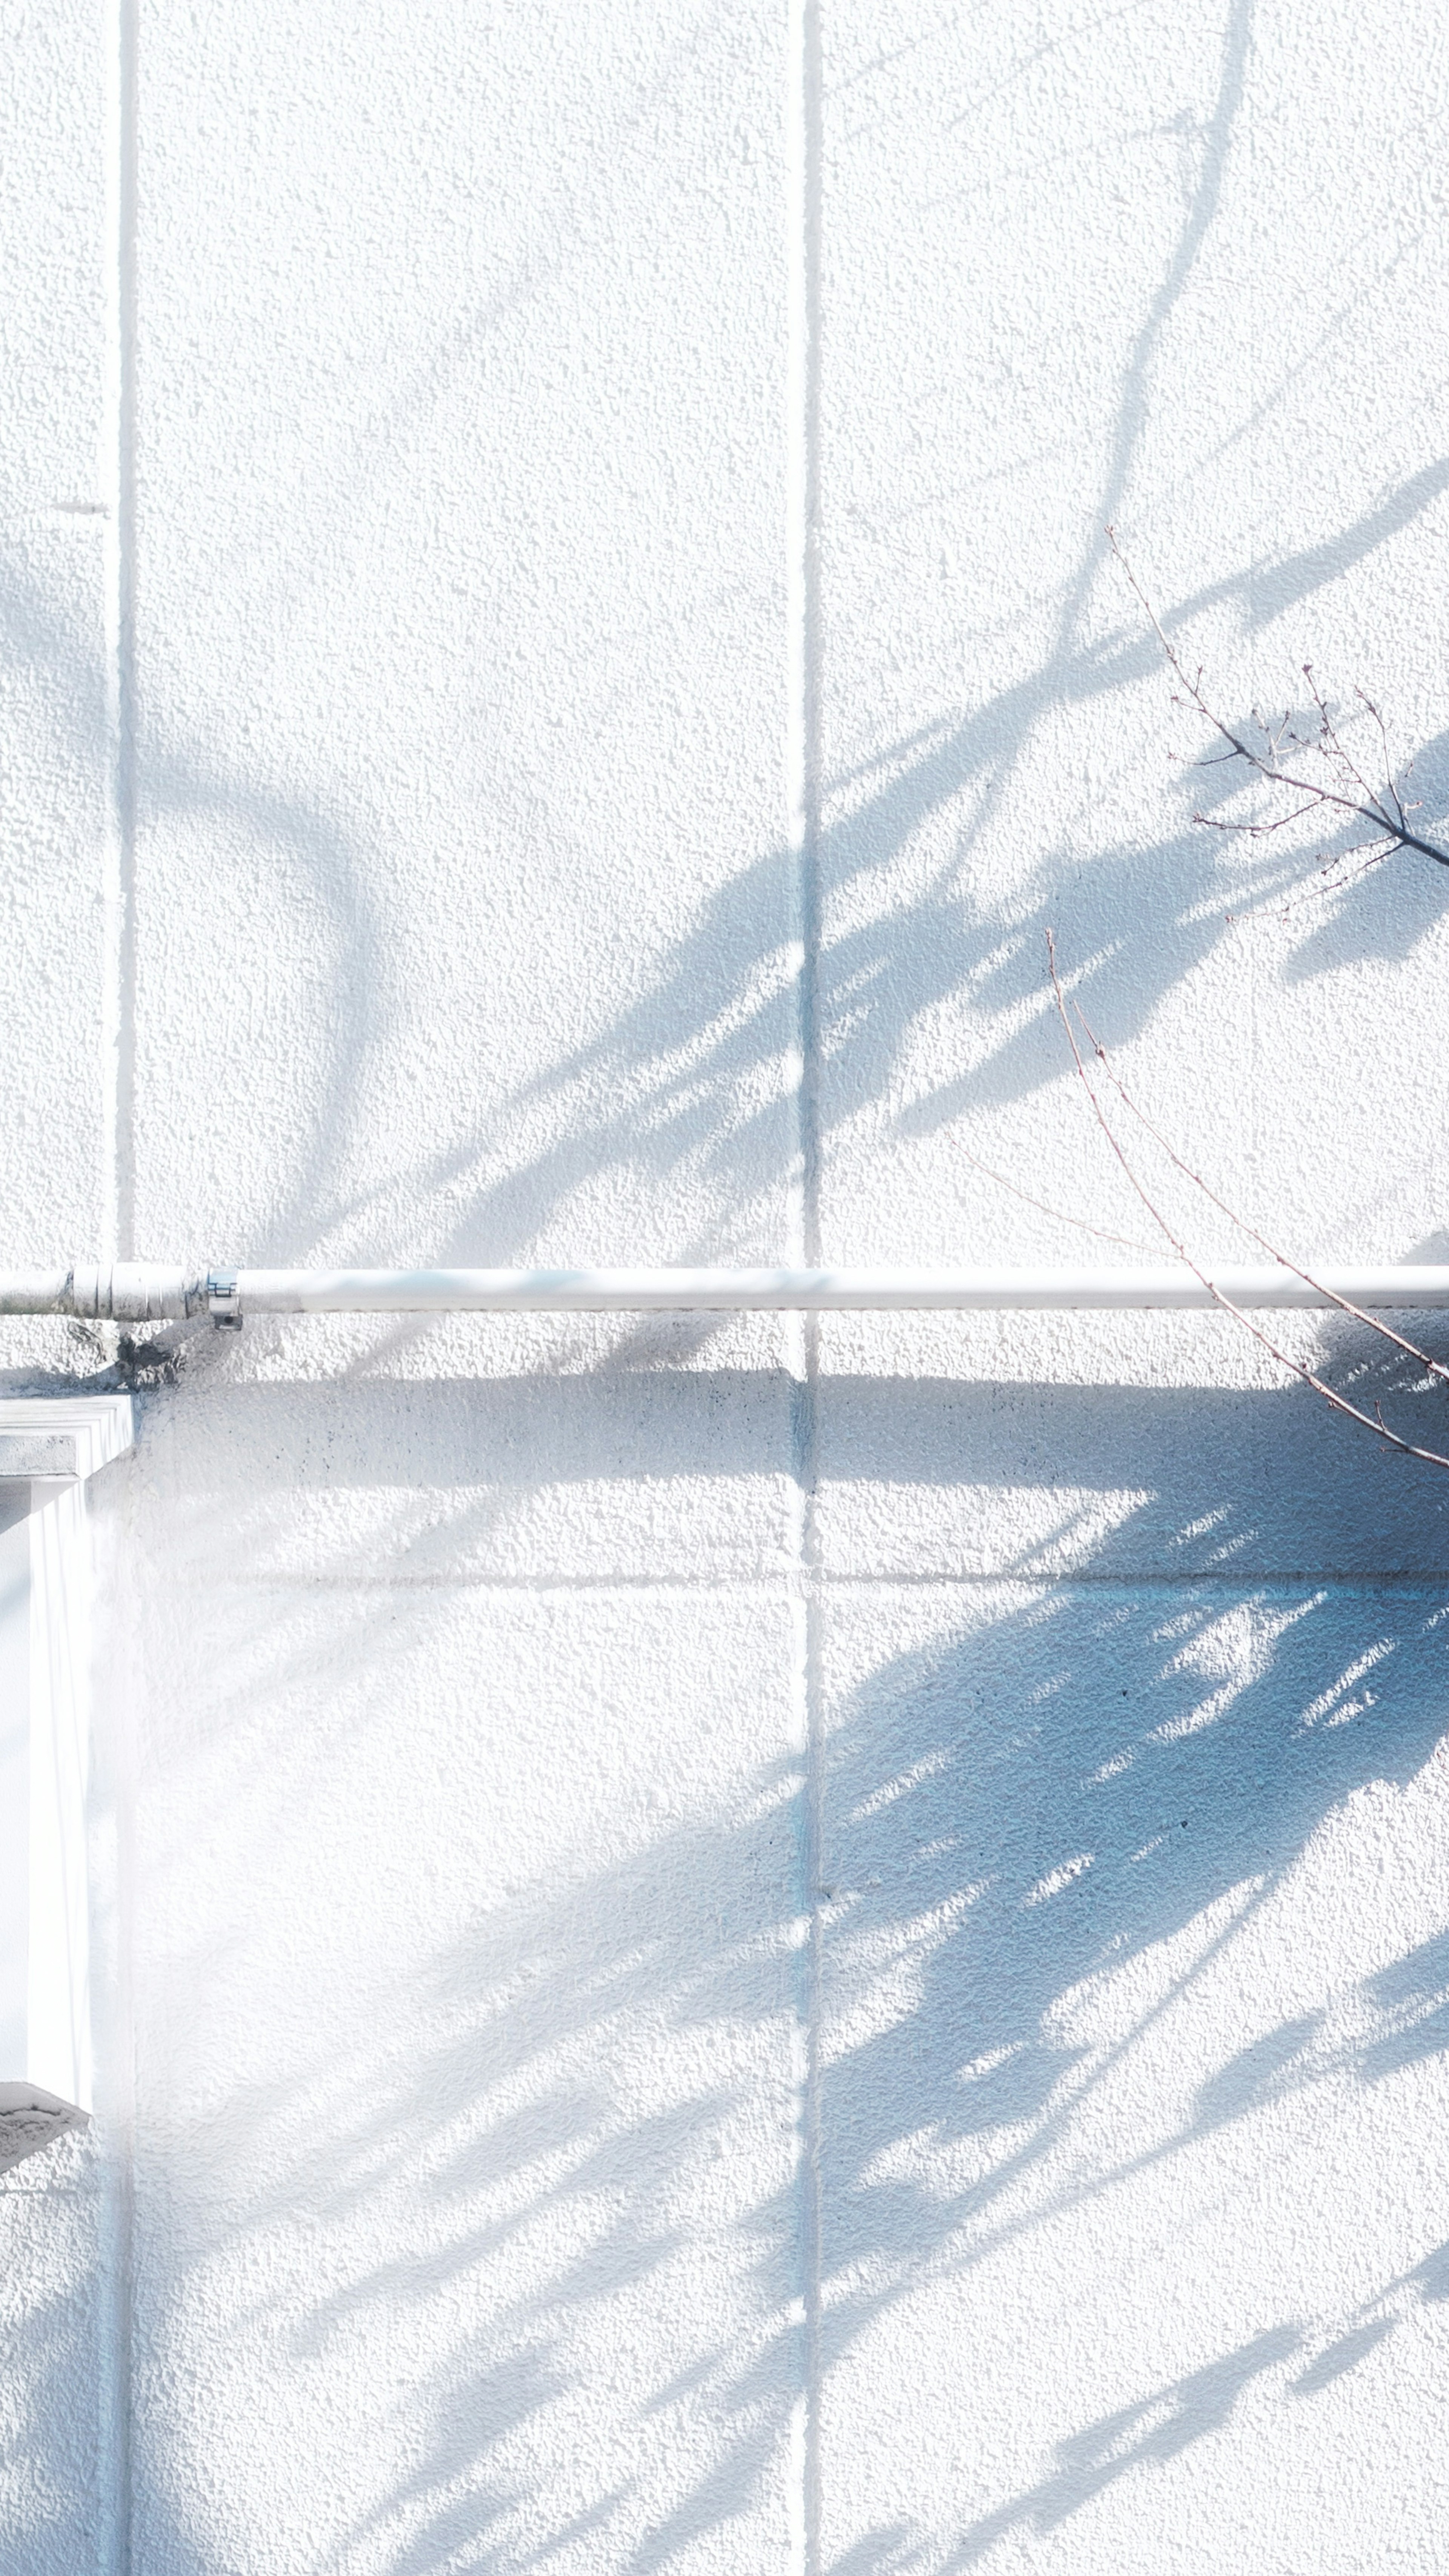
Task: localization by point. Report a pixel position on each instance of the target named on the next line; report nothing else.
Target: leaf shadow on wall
(53, 2327)
(551, 2164)
(1050, 1915)
(680, 1095)
(684, 1081)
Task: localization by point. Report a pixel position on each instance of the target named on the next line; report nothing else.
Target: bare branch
(1328, 747)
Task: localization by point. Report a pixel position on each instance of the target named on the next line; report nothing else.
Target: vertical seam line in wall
(118, 962)
(803, 215)
(116, 2071)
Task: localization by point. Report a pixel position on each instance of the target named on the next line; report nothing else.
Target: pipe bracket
(223, 1300)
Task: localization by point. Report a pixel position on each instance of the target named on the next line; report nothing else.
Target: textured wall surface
(727, 1947)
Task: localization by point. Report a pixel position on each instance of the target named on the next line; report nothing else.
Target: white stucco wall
(720, 1948)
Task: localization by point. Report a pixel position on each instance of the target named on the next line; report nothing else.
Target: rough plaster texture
(725, 1950)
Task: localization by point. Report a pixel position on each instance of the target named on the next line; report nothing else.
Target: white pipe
(139, 1292)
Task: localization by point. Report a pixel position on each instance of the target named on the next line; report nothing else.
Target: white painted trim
(49, 1448)
(62, 1435)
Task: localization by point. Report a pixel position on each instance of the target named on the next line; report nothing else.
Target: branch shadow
(52, 2338)
(1082, 1777)
(1105, 1776)
(1163, 2425)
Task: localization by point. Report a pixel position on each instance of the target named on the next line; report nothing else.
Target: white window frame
(50, 1446)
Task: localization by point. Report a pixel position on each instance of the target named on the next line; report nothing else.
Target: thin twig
(1059, 1215)
(1384, 741)
(1316, 893)
(1260, 831)
(1330, 1395)
(1360, 1314)
(1327, 733)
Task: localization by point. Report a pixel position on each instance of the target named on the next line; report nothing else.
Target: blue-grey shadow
(1075, 1766)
